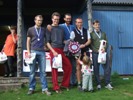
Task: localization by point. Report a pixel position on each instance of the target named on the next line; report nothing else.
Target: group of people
(55, 37)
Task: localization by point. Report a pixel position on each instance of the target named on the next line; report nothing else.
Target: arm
(3, 49)
(106, 41)
(48, 41)
(88, 41)
(105, 48)
(4, 44)
(72, 35)
(28, 46)
(14, 40)
(80, 62)
(92, 68)
(53, 51)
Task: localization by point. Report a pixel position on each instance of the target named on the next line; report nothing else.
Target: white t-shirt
(72, 35)
(86, 70)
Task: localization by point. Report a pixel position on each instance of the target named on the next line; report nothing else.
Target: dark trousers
(9, 65)
(73, 74)
(106, 68)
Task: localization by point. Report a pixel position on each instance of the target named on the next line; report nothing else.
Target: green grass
(123, 90)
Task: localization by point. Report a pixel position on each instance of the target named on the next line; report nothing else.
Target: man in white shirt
(82, 36)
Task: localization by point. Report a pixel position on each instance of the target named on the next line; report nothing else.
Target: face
(67, 19)
(79, 23)
(55, 20)
(12, 31)
(96, 26)
(38, 21)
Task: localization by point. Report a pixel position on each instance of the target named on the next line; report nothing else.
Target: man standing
(82, 36)
(55, 42)
(96, 36)
(68, 28)
(35, 44)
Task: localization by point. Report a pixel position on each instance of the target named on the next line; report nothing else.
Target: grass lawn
(123, 90)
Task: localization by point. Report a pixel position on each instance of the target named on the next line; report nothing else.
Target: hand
(85, 54)
(102, 50)
(55, 54)
(78, 61)
(49, 27)
(2, 50)
(82, 46)
(46, 48)
(29, 54)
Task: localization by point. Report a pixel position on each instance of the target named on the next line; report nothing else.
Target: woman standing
(9, 50)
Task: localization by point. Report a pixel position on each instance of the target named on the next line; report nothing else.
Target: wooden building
(22, 13)
(115, 17)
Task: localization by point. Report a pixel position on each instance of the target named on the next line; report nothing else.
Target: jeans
(106, 68)
(40, 58)
(73, 74)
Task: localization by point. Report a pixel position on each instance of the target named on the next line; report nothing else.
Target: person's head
(67, 18)
(55, 18)
(13, 29)
(38, 20)
(86, 60)
(96, 25)
(79, 23)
